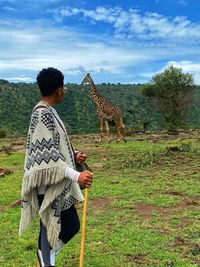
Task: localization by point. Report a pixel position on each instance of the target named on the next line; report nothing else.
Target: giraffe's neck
(95, 94)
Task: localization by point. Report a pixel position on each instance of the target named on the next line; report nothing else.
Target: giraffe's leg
(100, 130)
(107, 130)
(123, 130)
(118, 133)
(118, 127)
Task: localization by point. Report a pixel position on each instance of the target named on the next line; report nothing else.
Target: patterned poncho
(48, 153)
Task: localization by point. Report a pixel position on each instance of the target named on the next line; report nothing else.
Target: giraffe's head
(87, 79)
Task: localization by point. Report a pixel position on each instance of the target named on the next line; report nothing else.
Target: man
(51, 185)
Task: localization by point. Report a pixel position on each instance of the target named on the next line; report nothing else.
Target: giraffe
(106, 112)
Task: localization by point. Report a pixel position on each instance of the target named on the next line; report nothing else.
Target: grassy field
(143, 205)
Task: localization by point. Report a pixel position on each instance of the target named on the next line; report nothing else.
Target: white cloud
(187, 67)
(19, 79)
(32, 47)
(28, 46)
(131, 23)
(148, 75)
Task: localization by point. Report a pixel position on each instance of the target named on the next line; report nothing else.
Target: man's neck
(50, 101)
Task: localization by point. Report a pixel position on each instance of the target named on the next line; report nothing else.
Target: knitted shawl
(48, 153)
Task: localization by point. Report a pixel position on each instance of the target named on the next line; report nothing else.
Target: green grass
(143, 207)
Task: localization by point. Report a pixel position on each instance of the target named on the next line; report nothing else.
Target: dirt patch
(140, 258)
(179, 241)
(174, 193)
(192, 247)
(182, 135)
(7, 150)
(98, 165)
(18, 146)
(14, 146)
(186, 247)
(5, 172)
(186, 198)
(185, 222)
(147, 211)
(186, 203)
(15, 204)
(100, 204)
(189, 202)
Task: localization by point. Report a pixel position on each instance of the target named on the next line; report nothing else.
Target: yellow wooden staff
(84, 228)
(83, 167)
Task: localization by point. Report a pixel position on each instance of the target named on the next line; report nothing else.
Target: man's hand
(81, 157)
(85, 179)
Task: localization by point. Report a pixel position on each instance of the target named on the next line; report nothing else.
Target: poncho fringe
(35, 179)
(44, 176)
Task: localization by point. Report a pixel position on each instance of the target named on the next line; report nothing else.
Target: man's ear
(59, 91)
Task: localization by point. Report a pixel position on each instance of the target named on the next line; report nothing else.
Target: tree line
(168, 102)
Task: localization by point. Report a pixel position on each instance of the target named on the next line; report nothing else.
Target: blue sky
(116, 41)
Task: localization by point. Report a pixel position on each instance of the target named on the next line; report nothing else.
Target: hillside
(78, 111)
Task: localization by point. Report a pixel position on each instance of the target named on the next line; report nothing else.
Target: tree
(172, 94)
(2, 81)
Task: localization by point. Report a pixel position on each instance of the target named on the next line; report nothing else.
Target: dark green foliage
(16, 103)
(2, 133)
(3, 81)
(78, 110)
(172, 93)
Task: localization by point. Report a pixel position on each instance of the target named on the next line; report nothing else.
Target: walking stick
(84, 228)
(81, 168)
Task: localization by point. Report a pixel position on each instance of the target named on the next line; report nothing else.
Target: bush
(172, 94)
(3, 133)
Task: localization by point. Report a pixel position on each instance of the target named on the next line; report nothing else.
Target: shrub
(3, 133)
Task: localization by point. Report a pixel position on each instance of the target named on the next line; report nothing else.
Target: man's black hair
(49, 80)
